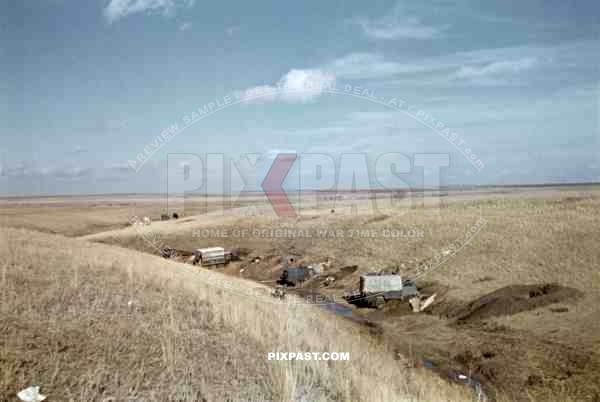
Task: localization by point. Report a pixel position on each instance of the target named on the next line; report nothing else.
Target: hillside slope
(88, 322)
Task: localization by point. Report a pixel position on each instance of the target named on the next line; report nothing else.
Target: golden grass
(89, 321)
(531, 238)
(78, 217)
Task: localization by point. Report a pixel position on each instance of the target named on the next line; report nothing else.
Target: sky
(86, 87)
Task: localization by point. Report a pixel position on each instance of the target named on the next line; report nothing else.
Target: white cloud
(68, 177)
(396, 27)
(400, 23)
(371, 65)
(295, 86)
(501, 66)
(482, 64)
(16, 169)
(23, 169)
(303, 79)
(497, 68)
(459, 65)
(118, 9)
(70, 172)
(121, 166)
(111, 171)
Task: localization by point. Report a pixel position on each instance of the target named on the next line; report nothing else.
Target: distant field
(78, 217)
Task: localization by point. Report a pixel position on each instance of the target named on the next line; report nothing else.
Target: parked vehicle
(295, 276)
(234, 254)
(375, 289)
(211, 256)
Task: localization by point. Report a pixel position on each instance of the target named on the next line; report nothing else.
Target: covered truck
(377, 288)
(295, 276)
(211, 256)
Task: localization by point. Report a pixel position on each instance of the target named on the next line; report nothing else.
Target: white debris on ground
(31, 394)
(415, 303)
(328, 281)
(134, 306)
(316, 268)
(428, 302)
(418, 305)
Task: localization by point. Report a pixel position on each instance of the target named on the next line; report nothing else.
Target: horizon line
(365, 190)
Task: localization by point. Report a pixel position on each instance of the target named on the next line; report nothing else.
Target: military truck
(295, 276)
(376, 288)
(211, 256)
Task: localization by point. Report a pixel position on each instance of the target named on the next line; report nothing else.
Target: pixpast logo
(350, 181)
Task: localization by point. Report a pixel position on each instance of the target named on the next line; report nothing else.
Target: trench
(479, 389)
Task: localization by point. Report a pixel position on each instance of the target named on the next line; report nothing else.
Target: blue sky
(87, 85)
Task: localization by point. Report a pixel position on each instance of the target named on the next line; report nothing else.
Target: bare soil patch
(510, 300)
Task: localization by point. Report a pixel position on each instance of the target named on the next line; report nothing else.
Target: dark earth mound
(511, 300)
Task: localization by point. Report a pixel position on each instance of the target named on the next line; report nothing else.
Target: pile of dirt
(392, 308)
(378, 218)
(258, 268)
(511, 300)
(345, 271)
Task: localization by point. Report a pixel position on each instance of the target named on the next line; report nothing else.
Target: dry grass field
(91, 322)
(78, 216)
(517, 307)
